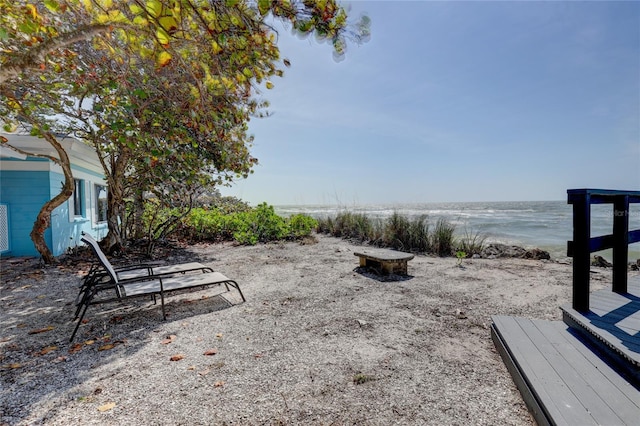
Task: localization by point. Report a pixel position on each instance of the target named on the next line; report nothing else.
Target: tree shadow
(38, 362)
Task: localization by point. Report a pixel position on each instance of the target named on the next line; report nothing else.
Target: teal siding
(66, 234)
(25, 192)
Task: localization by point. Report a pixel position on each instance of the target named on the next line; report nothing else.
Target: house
(27, 182)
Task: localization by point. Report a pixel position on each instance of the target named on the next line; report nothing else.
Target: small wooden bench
(384, 261)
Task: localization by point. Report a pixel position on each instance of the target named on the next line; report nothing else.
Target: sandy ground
(317, 342)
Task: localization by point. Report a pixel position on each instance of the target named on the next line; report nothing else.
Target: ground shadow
(375, 274)
(38, 362)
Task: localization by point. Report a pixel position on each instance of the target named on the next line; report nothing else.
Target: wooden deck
(613, 320)
(566, 379)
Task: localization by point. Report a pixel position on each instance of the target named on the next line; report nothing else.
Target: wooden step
(562, 380)
(613, 325)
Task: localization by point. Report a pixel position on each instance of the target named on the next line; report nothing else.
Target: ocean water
(543, 224)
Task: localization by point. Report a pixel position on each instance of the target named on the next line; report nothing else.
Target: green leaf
(154, 7)
(263, 6)
(140, 94)
(52, 5)
(135, 9)
(28, 27)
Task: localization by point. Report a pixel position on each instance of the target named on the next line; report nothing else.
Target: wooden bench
(384, 261)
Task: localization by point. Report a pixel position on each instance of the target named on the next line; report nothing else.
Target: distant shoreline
(546, 225)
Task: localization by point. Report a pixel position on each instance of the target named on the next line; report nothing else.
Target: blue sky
(455, 101)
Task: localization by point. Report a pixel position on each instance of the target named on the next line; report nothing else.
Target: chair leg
(164, 314)
(75, 330)
(237, 287)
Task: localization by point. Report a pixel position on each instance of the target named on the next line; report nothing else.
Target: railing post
(620, 243)
(581, 251)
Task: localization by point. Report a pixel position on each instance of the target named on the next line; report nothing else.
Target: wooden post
(620, 243)
(581, 250)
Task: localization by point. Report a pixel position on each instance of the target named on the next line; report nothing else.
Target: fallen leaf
(89, 342)
(46, 350)
(258, 356)
(59, 359)
(211, 352)
(106, 407)
(5, 339)
(12, 366)
(106, 347)
(219, 384)
(219, 335)
(191, 367)
(169, 339)
(41, 330)
(75, 348)
(176, 357)
(21, 325)
(204, 372)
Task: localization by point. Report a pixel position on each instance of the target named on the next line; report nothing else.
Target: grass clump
(442, 238)
(360, 378)
(403, 233)
(470, 242)
(352, 226)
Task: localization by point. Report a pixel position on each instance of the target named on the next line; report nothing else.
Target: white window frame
(97, 187)
(83, 200)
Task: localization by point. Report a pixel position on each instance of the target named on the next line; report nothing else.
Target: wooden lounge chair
(137, 281)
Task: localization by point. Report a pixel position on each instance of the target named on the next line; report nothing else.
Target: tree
(217, 55)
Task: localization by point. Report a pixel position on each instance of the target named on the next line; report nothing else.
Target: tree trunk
(43, 220)
(115, 202)
(138, 208)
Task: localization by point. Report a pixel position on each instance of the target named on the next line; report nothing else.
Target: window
(78, 197)
(101, 203)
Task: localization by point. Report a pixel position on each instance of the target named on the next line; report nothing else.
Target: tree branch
(35, 56)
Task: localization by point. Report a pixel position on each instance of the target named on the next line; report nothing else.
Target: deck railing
(583, 244)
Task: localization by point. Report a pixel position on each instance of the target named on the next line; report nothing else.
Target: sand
(317, 342)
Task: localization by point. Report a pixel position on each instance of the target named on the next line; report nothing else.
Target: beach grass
(400, 232)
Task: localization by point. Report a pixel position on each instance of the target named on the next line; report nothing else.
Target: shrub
(261, 224)
(301, 225)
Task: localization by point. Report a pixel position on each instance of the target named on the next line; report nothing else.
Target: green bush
(261, 224)
(301, 225)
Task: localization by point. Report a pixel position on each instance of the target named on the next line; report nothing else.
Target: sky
(455, 101)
